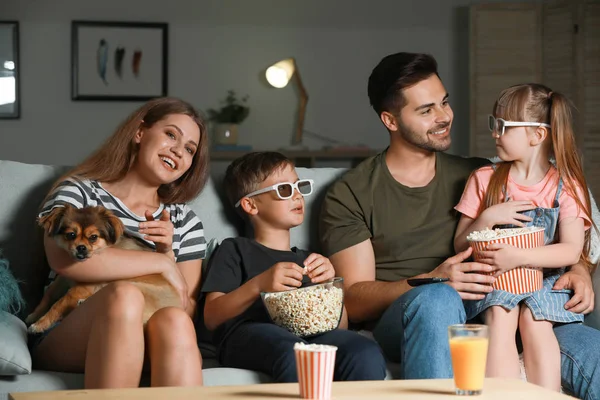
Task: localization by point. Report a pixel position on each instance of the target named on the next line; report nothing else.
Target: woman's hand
(174, 276)
(319, 268)
(158, 231)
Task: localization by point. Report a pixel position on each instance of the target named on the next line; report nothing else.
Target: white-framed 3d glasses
(499, 125)
(285, 190)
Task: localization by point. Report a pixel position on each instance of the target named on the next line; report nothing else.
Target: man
(392, 218)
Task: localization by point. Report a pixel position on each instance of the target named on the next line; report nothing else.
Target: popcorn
(313, 347)
(523, 279)
(307, 311)
(488, 234)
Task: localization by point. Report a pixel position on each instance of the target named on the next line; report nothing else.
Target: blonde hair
(534, 102)
(114, 158)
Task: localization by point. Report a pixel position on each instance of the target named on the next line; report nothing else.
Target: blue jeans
(580, 360)
(413, 331)
(269, 348)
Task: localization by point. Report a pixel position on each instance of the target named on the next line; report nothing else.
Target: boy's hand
(507, 213)
(319, 268)
(502, 257)
(281, 276)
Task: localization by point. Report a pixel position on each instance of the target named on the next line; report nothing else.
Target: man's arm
(366, 299)
(578, 279)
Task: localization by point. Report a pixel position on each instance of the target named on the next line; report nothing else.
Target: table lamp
(278, 75)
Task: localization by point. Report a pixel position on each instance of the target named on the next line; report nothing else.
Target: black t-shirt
(235, 262)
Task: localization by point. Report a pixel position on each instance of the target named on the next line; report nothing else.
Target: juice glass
(468, 349)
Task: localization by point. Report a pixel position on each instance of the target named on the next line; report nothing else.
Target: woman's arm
(106, 265)
(192, 273)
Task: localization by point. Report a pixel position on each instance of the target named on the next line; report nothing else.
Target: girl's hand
(319, 268)
(507, 213)
(502, 257)
(159, 231)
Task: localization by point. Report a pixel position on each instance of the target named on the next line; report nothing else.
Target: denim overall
(546, 303)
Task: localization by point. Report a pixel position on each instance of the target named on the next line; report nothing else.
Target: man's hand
(318, 268)
(466, 278)
(580, 281)
(158, 231)
(281, 276)
(507, 213)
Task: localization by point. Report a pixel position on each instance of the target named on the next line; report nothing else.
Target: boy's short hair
(246, 173)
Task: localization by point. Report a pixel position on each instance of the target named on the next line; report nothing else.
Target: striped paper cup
(315, 364)
(521, 279)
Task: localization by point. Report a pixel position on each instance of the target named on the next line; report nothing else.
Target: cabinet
(556, 43)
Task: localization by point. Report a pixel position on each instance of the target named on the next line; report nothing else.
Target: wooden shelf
(306, 158)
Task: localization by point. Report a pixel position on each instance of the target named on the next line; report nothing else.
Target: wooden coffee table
(500, 389)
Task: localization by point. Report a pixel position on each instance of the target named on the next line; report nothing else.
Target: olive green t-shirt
(411, 229)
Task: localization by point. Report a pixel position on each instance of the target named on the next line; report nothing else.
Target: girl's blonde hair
(534, 102)
(114, 158)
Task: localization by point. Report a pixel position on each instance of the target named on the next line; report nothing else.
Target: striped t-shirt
(188, 233)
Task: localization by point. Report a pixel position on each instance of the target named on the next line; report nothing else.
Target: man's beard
(425, 143)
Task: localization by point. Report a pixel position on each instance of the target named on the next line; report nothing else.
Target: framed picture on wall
(9, 70)
(118, 60)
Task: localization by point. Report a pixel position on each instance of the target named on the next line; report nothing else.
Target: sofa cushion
(14, 354)
(306, 236)
(24, 187)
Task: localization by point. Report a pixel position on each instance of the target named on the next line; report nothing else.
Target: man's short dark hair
(393, 74)
(245, 174)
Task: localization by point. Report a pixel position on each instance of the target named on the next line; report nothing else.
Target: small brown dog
(82, 232)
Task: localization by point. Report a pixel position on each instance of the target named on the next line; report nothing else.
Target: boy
(265, 188)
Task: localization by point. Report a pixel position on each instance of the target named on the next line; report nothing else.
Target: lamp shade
(279, 74)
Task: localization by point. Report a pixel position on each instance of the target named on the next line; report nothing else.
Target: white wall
(219, 45)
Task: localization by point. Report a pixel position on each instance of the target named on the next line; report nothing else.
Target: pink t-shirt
(542, 194)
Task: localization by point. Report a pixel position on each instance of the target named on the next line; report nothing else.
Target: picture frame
(10, 86)
(124, 61)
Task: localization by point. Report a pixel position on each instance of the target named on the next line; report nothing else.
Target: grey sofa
(22, 188)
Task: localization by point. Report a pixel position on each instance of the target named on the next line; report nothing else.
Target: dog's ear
(51, 222)
(113, 226)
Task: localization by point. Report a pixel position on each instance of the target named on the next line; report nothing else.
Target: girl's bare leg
(503, 357)
(175, 359)
(541, 352)
(103, 336)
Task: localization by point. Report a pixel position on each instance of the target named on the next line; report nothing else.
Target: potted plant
(227, 118)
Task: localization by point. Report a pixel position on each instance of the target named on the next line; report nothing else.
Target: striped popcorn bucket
(315, 364)
(521, 279)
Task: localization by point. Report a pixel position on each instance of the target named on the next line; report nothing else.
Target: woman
(146, 171)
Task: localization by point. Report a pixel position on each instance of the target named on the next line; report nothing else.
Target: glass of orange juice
(468, 349)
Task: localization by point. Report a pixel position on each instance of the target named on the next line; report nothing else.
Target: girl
(531, 124)
(154, 162)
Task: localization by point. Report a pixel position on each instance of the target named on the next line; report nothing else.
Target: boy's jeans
(413, 331)
(269, 348)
